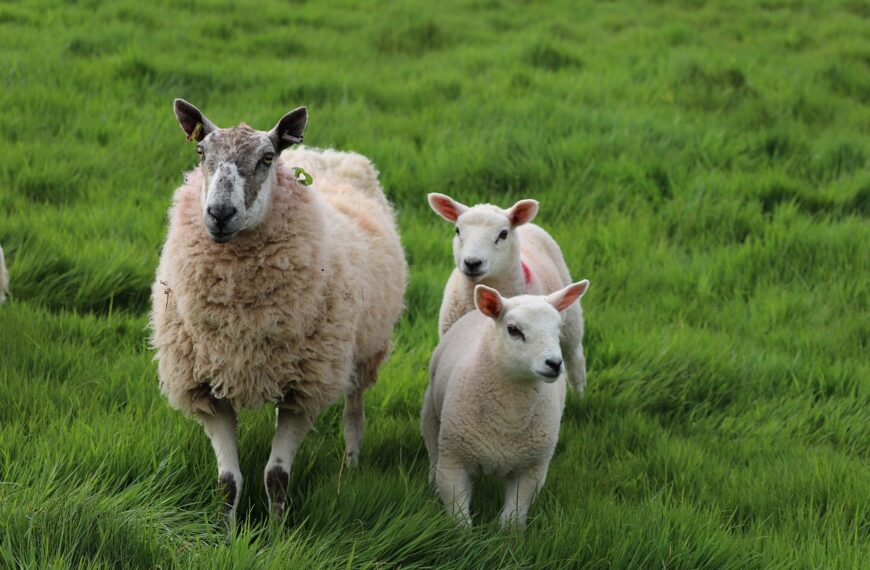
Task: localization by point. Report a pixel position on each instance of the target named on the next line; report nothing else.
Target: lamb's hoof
(229, 489)
(277, 482)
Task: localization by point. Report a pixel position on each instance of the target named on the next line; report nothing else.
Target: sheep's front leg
(290, 430)
(520, 492)
(454, 487)
(221, 430)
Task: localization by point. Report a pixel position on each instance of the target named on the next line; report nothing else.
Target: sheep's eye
(267, 158)
(501, 236)
(200, 151)
(515, 332)
(457, 231)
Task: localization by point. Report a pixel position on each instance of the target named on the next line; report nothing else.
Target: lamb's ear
(488, 301)
(446, 207)
(289, 129)
(522, 212)
(568, 296)
(194, 124)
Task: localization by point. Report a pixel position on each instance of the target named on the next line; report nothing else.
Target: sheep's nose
(473, 264)
(555, 364)
(221, 214)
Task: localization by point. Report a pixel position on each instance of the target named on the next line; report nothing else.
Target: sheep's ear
(194, 124)
(289, 129)
(523, 212)
(446, 207)
(488, 301)
(568, 296)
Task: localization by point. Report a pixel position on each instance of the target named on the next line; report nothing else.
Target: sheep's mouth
(473, 274)
(222, 237)
(551, 375)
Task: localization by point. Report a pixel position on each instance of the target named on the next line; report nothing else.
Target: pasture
(703, 164)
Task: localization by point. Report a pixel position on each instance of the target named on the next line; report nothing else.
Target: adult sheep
(272, 291)
(502, 249)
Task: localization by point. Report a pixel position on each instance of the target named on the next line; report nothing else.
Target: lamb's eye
(267, 158)
(199, 150)
(457, 231)
(502, 235)
(515, 332)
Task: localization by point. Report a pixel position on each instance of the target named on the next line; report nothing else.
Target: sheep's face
(528, 330)
(485, 244)
(238, 179)
(237, 167)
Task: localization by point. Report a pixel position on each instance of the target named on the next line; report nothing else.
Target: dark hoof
(230, 491)
(277, 482)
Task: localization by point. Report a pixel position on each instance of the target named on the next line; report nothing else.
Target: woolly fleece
(288, 311)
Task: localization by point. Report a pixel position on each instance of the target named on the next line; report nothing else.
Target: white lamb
(495, 399)
(4, 279)
(269, 290)
(503, 250)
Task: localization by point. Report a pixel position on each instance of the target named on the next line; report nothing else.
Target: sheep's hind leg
(354, 411)
(290, 430)
(221, 430)
(575, 366)
(354, 424)
(430, 426)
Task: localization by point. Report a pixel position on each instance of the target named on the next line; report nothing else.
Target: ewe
(495, 398)
(501, 249)
(4, 280)
(269, 290)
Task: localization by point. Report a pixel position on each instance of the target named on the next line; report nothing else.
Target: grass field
(704, 164)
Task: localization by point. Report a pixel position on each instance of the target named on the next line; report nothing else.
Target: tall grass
(704, 164)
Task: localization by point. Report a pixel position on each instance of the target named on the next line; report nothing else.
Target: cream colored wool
(4, 278)
(488, 408)
(530, 245)
(288, 311)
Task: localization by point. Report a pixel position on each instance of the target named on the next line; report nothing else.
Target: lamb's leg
(290, 430)
(520, 492)
(221, 430)
(354, 423)
(430, 426)
(454, 488)
(575, 365)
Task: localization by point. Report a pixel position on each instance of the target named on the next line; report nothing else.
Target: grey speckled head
(237, 167)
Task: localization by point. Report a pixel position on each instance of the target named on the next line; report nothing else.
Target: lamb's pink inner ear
(488, 302)
(446, 207)
(523, 212)
(569, 295)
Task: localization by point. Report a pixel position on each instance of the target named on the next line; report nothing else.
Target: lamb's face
(529, 333)
(237, 167)
(528, 330)
(238, 175)
(485, 243)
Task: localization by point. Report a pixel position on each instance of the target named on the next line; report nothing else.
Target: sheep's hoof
(351, 458)
(277, 482)
(230, 491)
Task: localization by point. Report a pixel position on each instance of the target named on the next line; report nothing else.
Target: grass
(704, 164)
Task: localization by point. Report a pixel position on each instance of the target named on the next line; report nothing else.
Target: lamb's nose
(221, 214)
(473, 264)
(555, 364)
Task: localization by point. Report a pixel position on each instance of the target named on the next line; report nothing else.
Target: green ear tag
(302, 177)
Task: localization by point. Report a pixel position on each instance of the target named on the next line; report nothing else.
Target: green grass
(704, 164)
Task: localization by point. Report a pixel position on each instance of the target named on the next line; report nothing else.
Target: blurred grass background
(704, 164)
